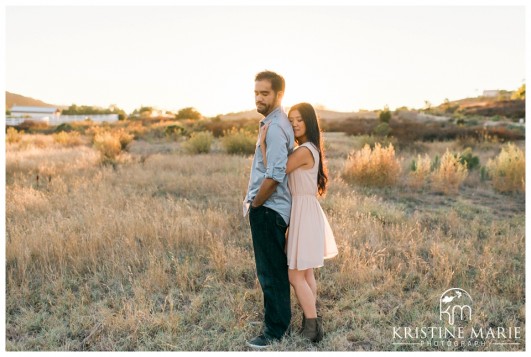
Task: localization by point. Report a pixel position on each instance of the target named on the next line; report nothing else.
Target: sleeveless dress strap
(315, 152)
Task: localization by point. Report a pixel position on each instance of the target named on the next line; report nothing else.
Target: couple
(272, 206)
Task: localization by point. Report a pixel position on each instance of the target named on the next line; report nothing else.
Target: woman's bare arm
(299, 158)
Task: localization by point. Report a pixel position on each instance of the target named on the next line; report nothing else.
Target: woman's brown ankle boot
(313, 329)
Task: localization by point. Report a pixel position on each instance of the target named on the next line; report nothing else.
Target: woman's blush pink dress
(310, 238)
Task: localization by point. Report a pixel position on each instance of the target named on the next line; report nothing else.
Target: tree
(87, 109)
(145, 111)
(520, 93)
(188, 113)
(385, 115)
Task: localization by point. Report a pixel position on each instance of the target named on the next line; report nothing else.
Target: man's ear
(280, 95)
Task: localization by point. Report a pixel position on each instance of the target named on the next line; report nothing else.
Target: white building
(35, 113)
(52, 116)
(491, 93)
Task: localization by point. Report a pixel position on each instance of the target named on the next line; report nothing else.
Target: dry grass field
(152, 252)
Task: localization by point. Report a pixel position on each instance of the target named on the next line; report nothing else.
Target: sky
(345, 58)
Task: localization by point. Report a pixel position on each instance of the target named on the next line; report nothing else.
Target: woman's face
(299, 127)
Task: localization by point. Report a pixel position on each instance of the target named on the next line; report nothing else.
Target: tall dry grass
(420, 171)
(507, 170)
(68, 139)
(154, 255)
(449, 175)
(13, 135)
(373, 167)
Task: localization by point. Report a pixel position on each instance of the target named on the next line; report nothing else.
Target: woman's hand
(263, 145)
(263, 133)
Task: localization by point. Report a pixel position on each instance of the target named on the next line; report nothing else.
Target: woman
(310, 238)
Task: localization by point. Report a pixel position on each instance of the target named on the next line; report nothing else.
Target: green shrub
(174, 131)
(64, 127)
(239, 142)
(188, 113)
(385, 115)
(469, 159)
(382, 129)
(199, 143)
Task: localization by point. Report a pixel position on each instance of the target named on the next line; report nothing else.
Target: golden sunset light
(250, 175)
(345, 58)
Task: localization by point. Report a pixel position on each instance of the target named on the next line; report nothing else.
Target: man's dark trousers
(269, 238)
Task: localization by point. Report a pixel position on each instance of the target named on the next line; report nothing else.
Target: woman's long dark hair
(313, 134)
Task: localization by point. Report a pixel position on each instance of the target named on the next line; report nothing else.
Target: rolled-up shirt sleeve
(276, 153)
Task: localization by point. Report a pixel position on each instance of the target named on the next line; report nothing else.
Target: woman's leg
(304, 292)
(310, 279)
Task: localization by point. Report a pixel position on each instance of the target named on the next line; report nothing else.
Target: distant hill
(17, 99)
(248, 114)
(510, 108)
(323, 114)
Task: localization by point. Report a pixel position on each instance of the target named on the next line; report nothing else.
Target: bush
(188, 113)
(123, 137)
(449, 175)
(13, 135)
(220, 127)
(239, 142)
(137, 129)
(67, 139)
(64, 127)
(382, 129)
(420, 171)
(199, 143)
(31, 126)
(174, 131)
(385, 115)
(108, 145)
(377, 167)
(468, 159)
(507, 170)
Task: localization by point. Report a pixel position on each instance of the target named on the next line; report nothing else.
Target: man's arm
(276, 158)
(267, 188)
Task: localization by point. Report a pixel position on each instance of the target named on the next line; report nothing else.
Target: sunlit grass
(153, 253)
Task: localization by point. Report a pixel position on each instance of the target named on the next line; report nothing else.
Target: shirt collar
(270, 116)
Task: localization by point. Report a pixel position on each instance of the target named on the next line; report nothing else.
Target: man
(268, 202)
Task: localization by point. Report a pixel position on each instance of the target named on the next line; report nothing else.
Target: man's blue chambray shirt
(280, 141)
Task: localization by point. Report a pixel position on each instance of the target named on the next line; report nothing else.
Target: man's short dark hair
(277, 81)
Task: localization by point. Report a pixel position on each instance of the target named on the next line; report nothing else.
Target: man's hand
(266, 190)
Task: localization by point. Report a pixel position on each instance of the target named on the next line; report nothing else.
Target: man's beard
(265, 108)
